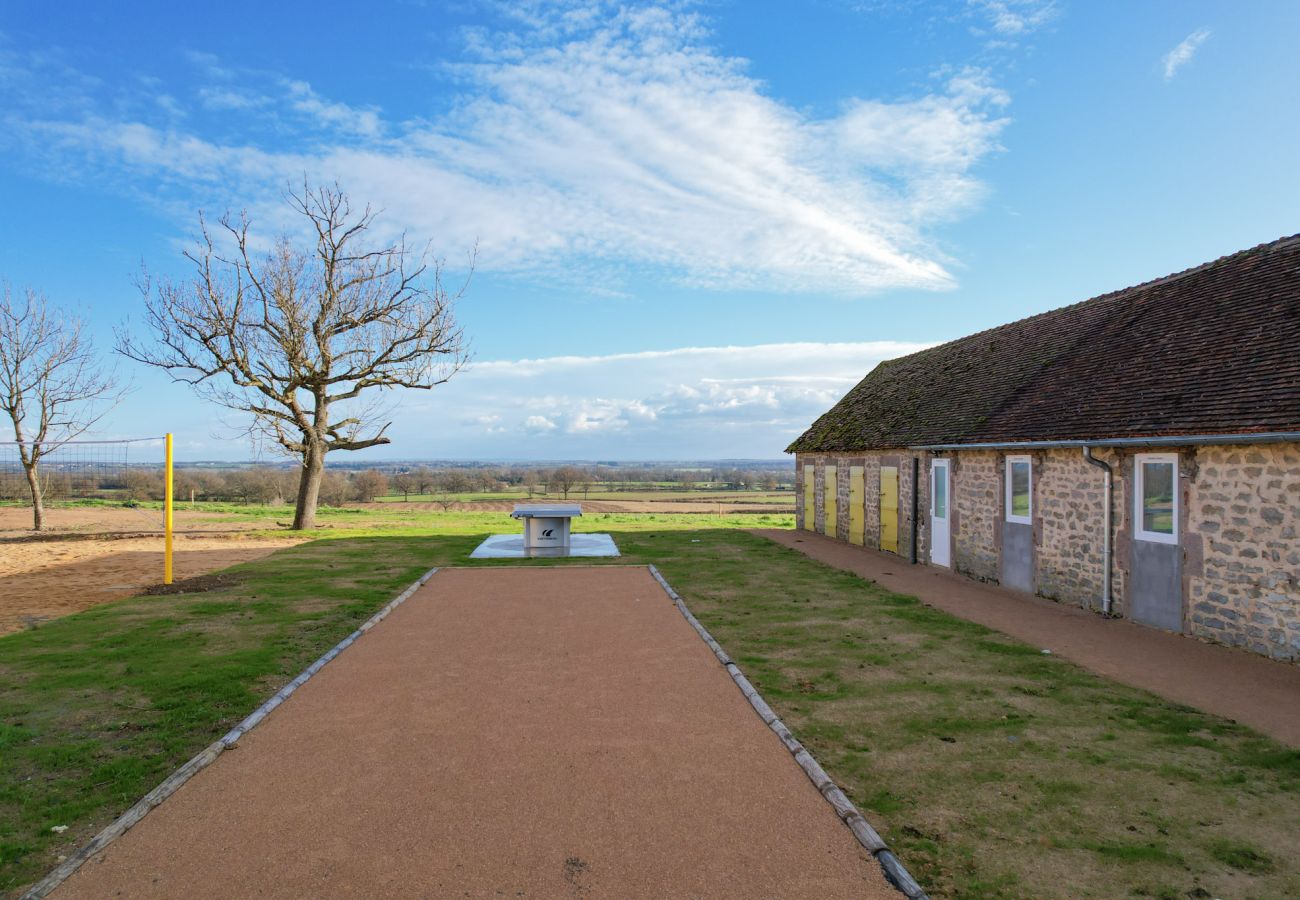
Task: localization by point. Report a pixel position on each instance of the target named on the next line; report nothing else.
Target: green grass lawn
(701, 495)
(397, 518)
(992, 769)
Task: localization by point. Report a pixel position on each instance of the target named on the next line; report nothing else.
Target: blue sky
(698, 224)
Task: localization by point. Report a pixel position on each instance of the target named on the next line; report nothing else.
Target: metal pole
(167, 516)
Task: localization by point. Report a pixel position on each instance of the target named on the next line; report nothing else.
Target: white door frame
(940, 526)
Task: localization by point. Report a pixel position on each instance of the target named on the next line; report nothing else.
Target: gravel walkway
(1235, 684)
(520, 732)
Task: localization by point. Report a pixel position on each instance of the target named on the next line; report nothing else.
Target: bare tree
(529, 481)
(565, 479)
(52, 386)
(289, 335)
(370, 485)
(425, 480)
(404, 483)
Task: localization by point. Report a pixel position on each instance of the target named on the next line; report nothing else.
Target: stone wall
(976, 513)
(1069, 511)
(1245, 504)
(1239, 529)
(870, 463)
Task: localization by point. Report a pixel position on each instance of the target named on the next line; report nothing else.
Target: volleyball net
(132, 474)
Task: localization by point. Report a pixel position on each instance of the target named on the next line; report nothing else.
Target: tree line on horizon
(274, 485)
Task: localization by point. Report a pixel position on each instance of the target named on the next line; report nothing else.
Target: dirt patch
(66, 521)
(200, 584)
(43, 580)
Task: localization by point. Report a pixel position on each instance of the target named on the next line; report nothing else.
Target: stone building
(1137, 453)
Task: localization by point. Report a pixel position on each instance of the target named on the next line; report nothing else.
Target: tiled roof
(1212, 350)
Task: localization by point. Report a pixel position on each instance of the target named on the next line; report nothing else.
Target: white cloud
(690, 402)
(1181, 55)
(595, 140)
(1016, 18)
(302, 98)
(535, 424)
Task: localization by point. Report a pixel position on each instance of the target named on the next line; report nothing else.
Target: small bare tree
(52, 385)
(565, 479)
(291, 335)
(370, 485)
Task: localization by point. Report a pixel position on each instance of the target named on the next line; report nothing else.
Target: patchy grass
(993, 770)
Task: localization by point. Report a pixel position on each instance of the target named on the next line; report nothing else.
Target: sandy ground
(67, 570)
(1235, 684)
(507, 732)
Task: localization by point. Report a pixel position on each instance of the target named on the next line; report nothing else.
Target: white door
(940, 543)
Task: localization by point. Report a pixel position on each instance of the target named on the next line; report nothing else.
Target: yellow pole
(167, 516)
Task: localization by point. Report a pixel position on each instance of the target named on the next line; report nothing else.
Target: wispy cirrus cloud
(1015, 18)
(591, 139)
(1181, 55)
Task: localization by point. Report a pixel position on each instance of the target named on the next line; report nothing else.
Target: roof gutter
(1171, 440)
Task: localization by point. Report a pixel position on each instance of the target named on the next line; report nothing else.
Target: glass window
(1019, 489)
(941, 492)
(1157, 500)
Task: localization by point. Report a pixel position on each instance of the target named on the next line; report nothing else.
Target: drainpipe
(1105, 544)
(916, 490)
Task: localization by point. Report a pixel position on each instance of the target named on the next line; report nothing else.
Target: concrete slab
(511, 546)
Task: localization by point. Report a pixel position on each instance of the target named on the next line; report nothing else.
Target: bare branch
(287, 334)
(52, 385)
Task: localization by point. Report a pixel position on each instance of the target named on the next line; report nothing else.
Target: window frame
(941, 463)
(1139, 489)
(1007, 497)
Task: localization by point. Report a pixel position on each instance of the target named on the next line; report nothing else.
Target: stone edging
(894, 870)
(207, 756)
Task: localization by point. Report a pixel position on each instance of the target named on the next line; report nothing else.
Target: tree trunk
(313, 468)
(38, 502)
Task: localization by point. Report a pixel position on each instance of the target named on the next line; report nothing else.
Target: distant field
(615, 496)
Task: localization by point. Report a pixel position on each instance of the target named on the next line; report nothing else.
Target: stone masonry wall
(1069, 499)
(870, 463)
(1239, 529)
(1245, 503)
(976, 513)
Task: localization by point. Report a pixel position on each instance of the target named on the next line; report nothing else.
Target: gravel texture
(520, 732)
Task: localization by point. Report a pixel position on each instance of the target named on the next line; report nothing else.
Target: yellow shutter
(809, 497)
(889, 508)
(828, 500)
(856, 512)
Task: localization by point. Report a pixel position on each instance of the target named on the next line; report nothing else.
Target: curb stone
(894, 870)
(206, 757)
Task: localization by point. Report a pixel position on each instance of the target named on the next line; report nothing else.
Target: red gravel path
(1262, 693)
(519, 732)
